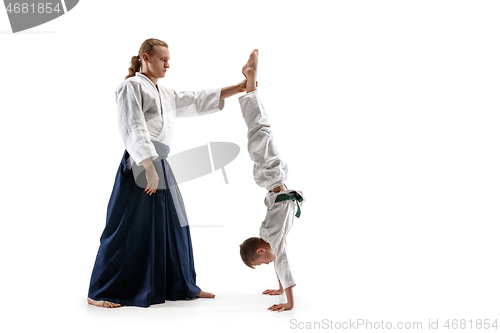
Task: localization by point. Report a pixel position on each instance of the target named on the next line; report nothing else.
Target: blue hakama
(145, 256)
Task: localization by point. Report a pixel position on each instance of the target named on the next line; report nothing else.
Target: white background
(387, 113)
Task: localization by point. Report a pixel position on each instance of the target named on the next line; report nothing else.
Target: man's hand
(152, 179)
(273, 292)
(242, 86)
(281, 307)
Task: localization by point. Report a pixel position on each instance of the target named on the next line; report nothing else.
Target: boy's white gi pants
(269, 170)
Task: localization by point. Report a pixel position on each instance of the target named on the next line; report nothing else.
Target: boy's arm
(284, 306)
(282, 268)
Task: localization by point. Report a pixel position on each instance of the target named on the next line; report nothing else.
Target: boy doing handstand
(282, 203)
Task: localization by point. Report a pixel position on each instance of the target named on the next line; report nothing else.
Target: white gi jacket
(270, 171)
(146, 113)
(275, 228)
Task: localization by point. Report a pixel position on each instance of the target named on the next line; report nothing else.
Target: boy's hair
(248, 250)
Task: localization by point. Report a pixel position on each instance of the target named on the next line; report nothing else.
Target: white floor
(338, 281)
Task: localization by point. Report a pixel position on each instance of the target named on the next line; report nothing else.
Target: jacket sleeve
(197, 103)
(282, 266)
(278, 217)
(131, 123)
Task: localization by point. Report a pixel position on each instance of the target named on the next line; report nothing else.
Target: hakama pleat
(145, 255)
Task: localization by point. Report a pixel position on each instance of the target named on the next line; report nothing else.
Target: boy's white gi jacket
(146, 113)
(275, 228)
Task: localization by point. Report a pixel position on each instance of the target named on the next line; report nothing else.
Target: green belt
(294, 196)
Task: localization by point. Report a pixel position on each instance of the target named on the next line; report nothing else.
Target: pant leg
(146, 254)
(130, 264)
(269, 170)
(181, 274)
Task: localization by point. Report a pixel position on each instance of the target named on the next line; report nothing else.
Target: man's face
(158, 63)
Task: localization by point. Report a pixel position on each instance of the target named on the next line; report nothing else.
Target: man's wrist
(147, 163)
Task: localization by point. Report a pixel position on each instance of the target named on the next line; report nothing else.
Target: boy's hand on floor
(273, 292)
(281, 307)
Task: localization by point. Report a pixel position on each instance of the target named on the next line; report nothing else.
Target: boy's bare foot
(103, 304)
(252, 63)
(205, 294)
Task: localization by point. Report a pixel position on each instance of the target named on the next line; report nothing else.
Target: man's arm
(233, 90)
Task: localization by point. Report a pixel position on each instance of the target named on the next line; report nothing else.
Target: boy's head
(255, 251)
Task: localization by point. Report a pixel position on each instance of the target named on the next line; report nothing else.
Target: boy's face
(266, 256)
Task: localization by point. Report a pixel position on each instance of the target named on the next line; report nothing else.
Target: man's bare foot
(205, 294)
(103, 304)
(252, 63)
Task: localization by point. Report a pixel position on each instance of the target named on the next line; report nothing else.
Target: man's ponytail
(135, 66)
